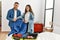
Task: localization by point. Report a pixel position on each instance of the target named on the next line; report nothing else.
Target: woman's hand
(25, 21)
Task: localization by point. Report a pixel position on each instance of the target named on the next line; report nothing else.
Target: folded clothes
(18, 27)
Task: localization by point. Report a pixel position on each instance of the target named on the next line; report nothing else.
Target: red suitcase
(38, 28)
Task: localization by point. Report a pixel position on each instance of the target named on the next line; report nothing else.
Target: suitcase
(38, 28)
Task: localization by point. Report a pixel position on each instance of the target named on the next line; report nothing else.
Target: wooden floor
(3, 35)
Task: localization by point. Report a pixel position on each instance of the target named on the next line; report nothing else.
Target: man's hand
(14, 19)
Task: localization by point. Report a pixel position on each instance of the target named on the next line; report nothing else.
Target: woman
(28, 17)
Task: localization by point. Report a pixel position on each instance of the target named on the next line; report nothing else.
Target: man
(14, 23)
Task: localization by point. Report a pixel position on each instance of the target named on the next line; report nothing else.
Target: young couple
(21, 24)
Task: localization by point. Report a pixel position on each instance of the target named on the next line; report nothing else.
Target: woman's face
(27, 8)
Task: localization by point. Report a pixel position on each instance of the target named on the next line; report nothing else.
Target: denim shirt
(10, 15)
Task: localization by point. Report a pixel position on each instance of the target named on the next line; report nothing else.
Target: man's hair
(16, 3)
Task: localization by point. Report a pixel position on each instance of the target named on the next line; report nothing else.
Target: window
(49, 12)
(49, 4)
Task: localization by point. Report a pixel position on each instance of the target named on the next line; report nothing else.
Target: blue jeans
(31, 27)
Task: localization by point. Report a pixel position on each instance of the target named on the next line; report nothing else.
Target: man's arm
(8, 16)
(19, 15)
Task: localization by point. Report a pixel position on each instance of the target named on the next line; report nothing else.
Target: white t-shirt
(27, 17)
(15, 13)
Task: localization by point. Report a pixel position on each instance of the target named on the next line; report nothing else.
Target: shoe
(19, 35)
(14, 35)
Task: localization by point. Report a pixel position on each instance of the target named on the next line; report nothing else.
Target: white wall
(57, 17)
(8, 4)
(0, 0)
(42, 10)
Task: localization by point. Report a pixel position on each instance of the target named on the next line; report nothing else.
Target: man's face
(16, 6)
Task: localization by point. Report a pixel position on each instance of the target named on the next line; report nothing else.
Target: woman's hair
(30, 9)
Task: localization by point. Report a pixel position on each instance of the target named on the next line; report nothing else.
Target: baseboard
(5, 31)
